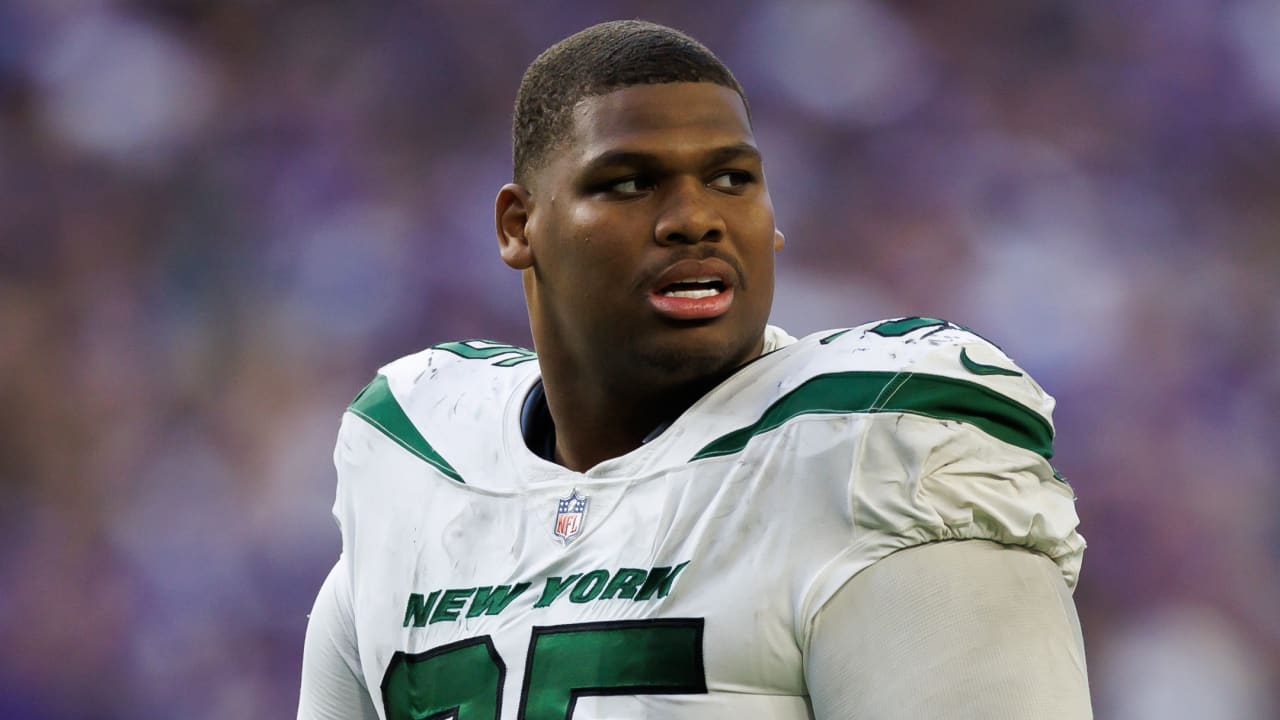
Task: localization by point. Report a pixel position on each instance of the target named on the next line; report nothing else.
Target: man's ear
(511, 216)
(778, 240)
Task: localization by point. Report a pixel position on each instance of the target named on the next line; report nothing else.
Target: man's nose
(689, 214)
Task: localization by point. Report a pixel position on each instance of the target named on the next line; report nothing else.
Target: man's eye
(630, 186)
(730, 179)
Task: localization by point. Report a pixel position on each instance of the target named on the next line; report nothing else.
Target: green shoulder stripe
(933, 396)
(378, 407)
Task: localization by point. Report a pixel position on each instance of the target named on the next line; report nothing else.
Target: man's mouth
(694, 290)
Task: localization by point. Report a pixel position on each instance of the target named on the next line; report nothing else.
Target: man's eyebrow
(636, 158)
(736, 151)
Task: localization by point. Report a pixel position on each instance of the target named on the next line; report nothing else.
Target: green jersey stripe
(934, 396)
(378, 407)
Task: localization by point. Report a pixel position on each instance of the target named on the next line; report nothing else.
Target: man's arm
(332, 688)
(960, 630)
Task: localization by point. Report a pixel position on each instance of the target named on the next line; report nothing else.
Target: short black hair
(596, 61)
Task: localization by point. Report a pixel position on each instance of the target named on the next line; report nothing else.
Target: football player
(672, 509)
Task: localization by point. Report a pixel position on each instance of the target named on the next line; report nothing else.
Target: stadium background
(218, 218)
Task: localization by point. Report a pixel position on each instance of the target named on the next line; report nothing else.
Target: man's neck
(599, 415)
(595, 424)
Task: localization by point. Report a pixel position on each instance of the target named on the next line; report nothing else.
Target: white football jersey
(680, 580)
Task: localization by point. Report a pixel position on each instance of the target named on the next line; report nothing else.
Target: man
(673, 510)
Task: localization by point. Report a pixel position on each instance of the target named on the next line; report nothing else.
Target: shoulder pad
(456, 363)
(922, 366)
(964, 370)
(406, 399)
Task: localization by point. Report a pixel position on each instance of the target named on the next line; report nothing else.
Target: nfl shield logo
(570, 514)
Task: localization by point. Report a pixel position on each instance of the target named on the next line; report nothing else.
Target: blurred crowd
(217, 219)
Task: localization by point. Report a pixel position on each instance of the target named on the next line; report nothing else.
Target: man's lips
(694, 289)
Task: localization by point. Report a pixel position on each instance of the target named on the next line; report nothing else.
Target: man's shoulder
(445, 396)
(910, 346)
(460, 366)
(917, 365)
(938, 358)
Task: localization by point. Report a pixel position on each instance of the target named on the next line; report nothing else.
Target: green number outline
(694, 684)
(492, 349)
(661, 656)
(908, 325)
(435, 657)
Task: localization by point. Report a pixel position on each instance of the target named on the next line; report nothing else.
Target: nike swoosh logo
(978, 368)
(832, 337)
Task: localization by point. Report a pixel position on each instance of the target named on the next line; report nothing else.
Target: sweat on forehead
(596, 61)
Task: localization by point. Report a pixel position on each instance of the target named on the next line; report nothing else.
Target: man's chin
(680, 363)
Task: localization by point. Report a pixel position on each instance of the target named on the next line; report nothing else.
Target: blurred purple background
(217, 219)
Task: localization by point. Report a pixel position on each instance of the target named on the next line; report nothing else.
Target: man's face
(651, 236)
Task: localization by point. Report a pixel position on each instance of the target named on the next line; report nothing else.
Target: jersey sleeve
(332, 688)
(1002, 641)
(333, 685)
(957, 447)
